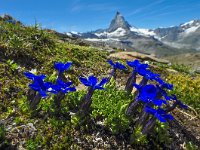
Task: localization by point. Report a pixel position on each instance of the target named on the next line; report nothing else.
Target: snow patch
(191, 29)
(117, 33)
(145, 32)
(188, 23)
(69, 34)
(101, 40)
(96, 40)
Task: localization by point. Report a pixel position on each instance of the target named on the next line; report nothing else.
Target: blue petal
(85, 81)
(161, 111)
(42, 76)
(42, 94)
(67, 84)
(56, 88)
(59, 82)
(92, 80)
(58, 65)
(160, 118)
(120, 66)
(52, 91)
(136, 86)
(48, 84)
(168, 86)
(142, 71)
(149, 91)
(111, 63)
(159, 102)
(71, 89)
(133, 64)
(34, 87)
(150, 110)
(98, 87)
(29, 75)
(67, 65)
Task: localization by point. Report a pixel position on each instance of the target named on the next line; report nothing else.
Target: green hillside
(26, 48)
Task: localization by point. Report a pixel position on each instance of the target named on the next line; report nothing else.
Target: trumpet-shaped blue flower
(116, 65)
(39, 85)
(61, 67)
(63, 87)
(138, 67)
(148, 94)
(93, 82)
(160, 114)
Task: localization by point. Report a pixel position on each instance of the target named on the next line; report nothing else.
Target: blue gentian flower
(160, 114)
(39, 85)
(117, 65)
(148, 94)
(138, 67)
(63, 87)
(61, 67)
(93, 82)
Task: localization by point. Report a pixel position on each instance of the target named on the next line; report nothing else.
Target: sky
(89, 15)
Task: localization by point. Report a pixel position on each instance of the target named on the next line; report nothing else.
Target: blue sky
(87, 15)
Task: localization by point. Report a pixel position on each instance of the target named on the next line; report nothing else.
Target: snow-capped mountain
(183, 36)
(160, 41)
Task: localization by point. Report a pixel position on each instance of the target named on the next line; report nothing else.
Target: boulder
(135, 55)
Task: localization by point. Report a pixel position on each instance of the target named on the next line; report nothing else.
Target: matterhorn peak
(118, 22)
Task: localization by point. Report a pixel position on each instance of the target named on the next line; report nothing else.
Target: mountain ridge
(120, 34)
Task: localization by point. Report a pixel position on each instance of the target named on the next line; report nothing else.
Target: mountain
(185, 35)
(119, 22)
(160, 42)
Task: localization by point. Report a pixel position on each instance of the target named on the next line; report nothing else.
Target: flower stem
(149, 126)
(129, 84)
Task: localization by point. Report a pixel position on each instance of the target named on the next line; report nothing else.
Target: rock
(198, 70)
(171, 70)
(135, 55)
(32, 126)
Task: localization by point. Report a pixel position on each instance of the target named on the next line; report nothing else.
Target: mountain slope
(159, 42)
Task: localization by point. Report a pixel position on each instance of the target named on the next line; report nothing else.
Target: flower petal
(43, 94)
(29, 75)
(120, 66)
(67, 65)
(98, 87)
(85, 81)
(111, 63)
(159, 102)
(92, 80)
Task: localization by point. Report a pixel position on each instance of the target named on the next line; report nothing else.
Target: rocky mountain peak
(118, 22)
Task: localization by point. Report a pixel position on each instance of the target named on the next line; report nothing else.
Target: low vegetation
(33, 49)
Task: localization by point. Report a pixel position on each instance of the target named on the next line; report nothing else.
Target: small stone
(198, 70)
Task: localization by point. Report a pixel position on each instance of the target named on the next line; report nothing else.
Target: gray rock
(198, 70)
